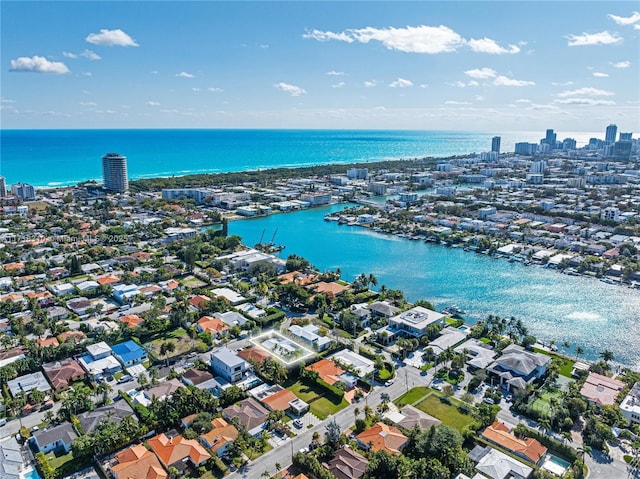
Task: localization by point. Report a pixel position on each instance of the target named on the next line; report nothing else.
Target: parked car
(488, 400)
(125, 379)
(389, 382)
(47, 405)
(297, 423)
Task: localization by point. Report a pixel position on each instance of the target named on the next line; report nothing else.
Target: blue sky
(481, 66)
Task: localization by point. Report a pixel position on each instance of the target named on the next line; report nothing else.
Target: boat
(453, 310)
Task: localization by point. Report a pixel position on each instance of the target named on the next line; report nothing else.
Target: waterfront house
(630, 405)
(527, 448)
(517, 365)
(56, 438)
(601, 390)
(412, 323)
(220, 436)
(382, 437)
(347, 464)
(479, 355)
(62, 373)
(178, 452)
(137, 462)
(249, 413)
(383, 309)
(228, 364)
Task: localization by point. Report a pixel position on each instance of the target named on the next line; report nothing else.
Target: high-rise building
(24, 191)
(626, 136)
(610, 135)
(495, 144)
(3, 187)
(550, 139)
(114, 172)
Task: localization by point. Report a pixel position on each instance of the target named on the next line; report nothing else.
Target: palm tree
(544, 424)
(166, 348)
(356, 412)
(607, 356)
(579, 352)
(584, 450)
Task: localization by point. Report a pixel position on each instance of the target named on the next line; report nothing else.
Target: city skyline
(362, 65)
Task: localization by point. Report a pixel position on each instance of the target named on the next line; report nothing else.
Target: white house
(228, 364)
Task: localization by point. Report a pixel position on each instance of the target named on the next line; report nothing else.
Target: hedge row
(563, 449)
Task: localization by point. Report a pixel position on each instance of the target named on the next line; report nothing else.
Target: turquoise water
(66, 157)
(33, 474)
(583, 311)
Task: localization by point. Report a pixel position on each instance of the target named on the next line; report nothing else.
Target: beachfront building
(114, 173)
(517, 367)
(601, 390)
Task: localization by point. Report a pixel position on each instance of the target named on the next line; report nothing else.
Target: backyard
(449, 414)
(321, 405)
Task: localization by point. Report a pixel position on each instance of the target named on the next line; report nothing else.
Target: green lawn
(58, 461)
(192, 282)
(181, 340)
(449, 414)
(566, 364)
(252, 454)
(542, 403)
(321, 405)
(411, 396)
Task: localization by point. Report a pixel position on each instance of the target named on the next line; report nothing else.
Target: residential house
(363, 366)
(494, 464)
(347, 464)
(115, 411)
(197, 302)
(230, 295)
(383, 309)
(132, 320)
(129, 353)
(228, 364)
(99, 360)
(527, 448)
(479, 355)
(160, 392)
(412, 323)
(331, 373)
(630, 405)
(27, 383)
(12, 464)
(48, 342)
(57, 313)
(80, 305)
(220, 436)
(62, 373)
(276, 398)
(233, 318)
(56, 438)
(125, 293)
(382, 437)
(601, 390)
(212, 325)
(254, 354)
(249, 413)
(517, 366)
(409, 417)
(178, 452)
(60, 289)
(137, 462)
(201, 380)
(309, 334)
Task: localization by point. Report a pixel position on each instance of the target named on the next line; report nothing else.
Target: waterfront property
(630, 405)
(411, 323)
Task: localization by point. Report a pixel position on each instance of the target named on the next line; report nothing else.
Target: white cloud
(585, 101)
(264, 46)
(37, 64)
(154, 72)
(587, 91)
(600, 74)
(185, 75)
(6, 100)
(326, 36)
(601, 38)
(634, 18)
(111, 38)
(195, 89)
(623, 64)
(88, 103)
(293, 90)
(370, 83)
(214, 89)
(481, 73)
(401, 83)
(487, 45)
(502, 80)
(637, 26)
(424, 85)
(153, 103)
(454, 102)
(334, 73)
(90, 54)
(69, 55)
(473, 83)
(565, 83)
(87, 74)
(339, 85)
(523, 100)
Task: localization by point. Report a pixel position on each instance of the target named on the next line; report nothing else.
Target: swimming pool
(555, 465)
(30, 473)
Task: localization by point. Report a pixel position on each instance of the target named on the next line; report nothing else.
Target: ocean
(66, 157)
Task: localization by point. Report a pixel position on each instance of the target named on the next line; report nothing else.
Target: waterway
(581, 310)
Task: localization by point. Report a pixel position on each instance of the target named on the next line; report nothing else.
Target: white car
(389, 382)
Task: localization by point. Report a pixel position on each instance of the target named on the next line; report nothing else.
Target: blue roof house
(129, 353)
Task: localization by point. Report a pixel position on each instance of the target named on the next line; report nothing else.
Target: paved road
(407, 378)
